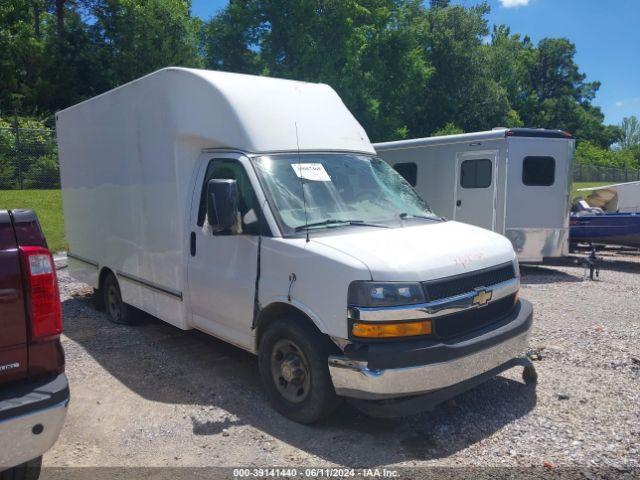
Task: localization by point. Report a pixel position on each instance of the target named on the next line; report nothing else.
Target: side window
(247, 203)
(476, 173)
(539, 171)
(409, 171)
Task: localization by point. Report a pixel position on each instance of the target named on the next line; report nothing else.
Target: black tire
(117, 311)
(529, 375)
(98, 299)
(309, 350)
(27, 471)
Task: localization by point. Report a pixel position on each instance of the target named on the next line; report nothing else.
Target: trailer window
(476, 173)
(409, 171)
(538, 171)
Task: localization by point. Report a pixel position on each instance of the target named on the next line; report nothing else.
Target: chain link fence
(583, 172)
(28, 159)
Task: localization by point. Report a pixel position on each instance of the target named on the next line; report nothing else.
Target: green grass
(576, 185)
(47, 204)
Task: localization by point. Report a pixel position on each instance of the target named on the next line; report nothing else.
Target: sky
(606, 35)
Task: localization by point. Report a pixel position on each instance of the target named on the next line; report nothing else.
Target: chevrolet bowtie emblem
(482, 297)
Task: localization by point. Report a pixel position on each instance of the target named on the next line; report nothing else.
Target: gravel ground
(152, 395)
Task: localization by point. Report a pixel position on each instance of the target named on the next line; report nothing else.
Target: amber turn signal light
(391, 330)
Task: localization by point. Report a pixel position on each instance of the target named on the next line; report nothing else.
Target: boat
(594, 226)
(618, 197)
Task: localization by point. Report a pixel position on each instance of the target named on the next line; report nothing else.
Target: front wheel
(294, 371)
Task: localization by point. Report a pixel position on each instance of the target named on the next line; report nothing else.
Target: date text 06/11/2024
(315, 473)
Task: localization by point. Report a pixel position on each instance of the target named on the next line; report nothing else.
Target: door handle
(192, 244)
(458, 203)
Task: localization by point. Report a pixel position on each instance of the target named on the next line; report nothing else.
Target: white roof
(235, 111)
(498, 133)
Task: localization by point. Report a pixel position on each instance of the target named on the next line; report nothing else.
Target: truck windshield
(340, 190)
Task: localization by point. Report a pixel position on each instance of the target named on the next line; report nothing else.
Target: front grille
(474, 319)
(467, 282)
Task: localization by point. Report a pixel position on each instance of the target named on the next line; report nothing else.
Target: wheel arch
(103, 274)
(276, 310)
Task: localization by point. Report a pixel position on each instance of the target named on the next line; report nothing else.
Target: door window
(538, 171)
(250, 214)
(476, 173)
(409, 171)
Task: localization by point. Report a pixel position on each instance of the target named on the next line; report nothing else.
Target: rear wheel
(27, 471)
(529, 374)
(98, 299)
(294, 371)
(117, 311)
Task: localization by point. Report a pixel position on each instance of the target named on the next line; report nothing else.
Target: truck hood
(421, 252)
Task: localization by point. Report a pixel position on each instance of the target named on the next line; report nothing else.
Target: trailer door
(475, 189)
(538, 189)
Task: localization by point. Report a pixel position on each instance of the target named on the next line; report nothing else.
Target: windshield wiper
(405, 215)
(335, 222)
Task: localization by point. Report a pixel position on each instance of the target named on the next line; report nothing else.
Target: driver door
(222, 267)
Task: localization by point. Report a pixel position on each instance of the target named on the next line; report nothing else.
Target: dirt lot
(153, 395)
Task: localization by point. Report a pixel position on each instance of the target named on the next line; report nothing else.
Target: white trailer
(254, 209)
(514, 181)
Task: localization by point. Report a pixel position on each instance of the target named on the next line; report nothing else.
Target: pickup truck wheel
(294, 371)
(27, 471)
(117, 311)
(529, 374)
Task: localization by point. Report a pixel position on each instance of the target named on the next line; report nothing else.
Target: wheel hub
(290, 371)
(113, 302)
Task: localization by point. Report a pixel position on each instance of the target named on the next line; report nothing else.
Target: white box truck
(514, 181)
(254, 209)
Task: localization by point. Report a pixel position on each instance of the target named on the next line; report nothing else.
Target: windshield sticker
(314, 172)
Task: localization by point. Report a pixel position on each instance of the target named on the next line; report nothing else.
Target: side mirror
(222, 205)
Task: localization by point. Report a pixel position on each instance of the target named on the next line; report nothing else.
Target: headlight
(516, 267)
(384, 294)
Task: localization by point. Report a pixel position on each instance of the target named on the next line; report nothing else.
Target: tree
(31, 161)
(555, 94)
(21, 56)
(368, 50)
(137, 37)
(439, 3)
(588, 153)
(75, 65)
(461, 90)
(448, 129)
(230, 40)
(403, 68)
(629, 133)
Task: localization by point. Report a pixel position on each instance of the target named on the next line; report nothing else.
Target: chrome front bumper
(352, 378)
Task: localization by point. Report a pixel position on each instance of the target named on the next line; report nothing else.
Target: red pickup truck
(34, 392)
